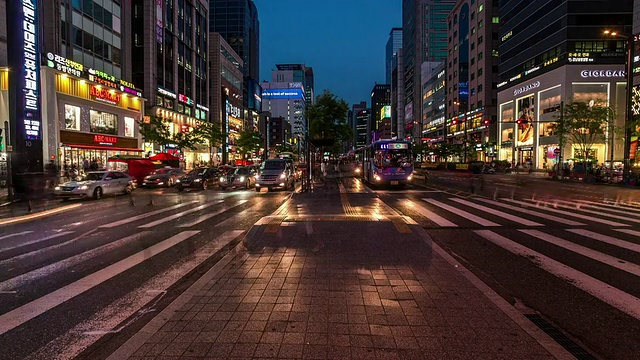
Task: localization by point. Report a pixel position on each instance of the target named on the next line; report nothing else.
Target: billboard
(385, 112)
(283, 94)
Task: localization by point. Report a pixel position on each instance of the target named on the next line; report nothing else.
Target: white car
(96, 184)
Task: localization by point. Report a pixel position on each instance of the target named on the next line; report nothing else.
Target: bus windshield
(393, 158)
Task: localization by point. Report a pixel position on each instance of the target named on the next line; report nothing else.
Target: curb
(38, 215)
(555, 349)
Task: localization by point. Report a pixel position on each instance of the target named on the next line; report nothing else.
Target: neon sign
(185, 99)
(105, 95)
(105, 140)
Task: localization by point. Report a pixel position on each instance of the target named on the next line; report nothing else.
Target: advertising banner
(526, 116)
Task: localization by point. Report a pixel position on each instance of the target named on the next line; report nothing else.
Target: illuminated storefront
(235, 125)
(180, 123)
(527, 113)
(89, 115)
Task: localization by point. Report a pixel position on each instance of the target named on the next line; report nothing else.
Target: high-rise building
(424, 38)
(397, 97)
(286, 100)
(359, 140)
(363, 137)
(434, 98)
(554, 52)
(237, 21)
(171, 63)
(472, 77)
(296, 73)
(393, 45)
(380, 109)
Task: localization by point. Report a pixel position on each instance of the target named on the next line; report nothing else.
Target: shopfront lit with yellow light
(180, 123)
(235, 125)
(528, 111)
(89, 115)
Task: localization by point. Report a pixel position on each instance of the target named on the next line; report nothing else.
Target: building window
(480, 72)
(473, 61)
(473, 76)
(473, 30)
(473, 15)
(480, 24)
(495, 53)
(473, 91)
(495, 20)
(480, 56)
(480, 8)
(479, 103)
(103, 122)
(473, 46)
(480, 40)
(71, 117)
(479, 88)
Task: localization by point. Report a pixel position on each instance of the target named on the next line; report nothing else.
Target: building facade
(226, 99)
(353, 124)
(472, 76)
(560, 56)
(424, 38)
(286, 100)
(171, 63)
(380, 109)
(434, 105)
(397, 96)
(363, 117)
(297, 73)
(391, 50)
(280, 136)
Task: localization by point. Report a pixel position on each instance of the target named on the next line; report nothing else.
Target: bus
(386, 162)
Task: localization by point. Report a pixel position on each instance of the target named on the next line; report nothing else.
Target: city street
(117, 277)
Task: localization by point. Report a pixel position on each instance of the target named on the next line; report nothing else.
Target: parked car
(162, 177)
(242, 177)
(276, 173)
(200, 178)
(96, 184)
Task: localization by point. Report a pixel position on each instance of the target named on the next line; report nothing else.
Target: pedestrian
(85, 165)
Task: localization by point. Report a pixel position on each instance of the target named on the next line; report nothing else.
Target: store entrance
(525, 158)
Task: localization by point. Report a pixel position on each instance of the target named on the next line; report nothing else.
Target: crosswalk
(593, 246)
(43, 271)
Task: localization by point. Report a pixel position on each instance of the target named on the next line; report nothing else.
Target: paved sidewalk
(314, 282)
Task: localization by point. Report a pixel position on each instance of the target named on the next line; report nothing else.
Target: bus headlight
(376, 177)
(410, 177)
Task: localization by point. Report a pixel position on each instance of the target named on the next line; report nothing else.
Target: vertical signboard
(24, 85)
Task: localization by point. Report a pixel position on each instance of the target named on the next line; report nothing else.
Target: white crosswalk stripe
(569, 213)
(439, 220)
(24, 313)
(209, 216)
(597, 288)
(504, 215)
(143, 216)
(607, 239)
(629, 231)
(533, 213)
(179, 215)
(558, 204)
(35, 241)
(469, 216)
(15, 234)
(585, 251)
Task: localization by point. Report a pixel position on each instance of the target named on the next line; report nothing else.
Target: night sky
(343, 40)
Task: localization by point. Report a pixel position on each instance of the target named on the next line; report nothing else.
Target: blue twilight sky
(343, 40)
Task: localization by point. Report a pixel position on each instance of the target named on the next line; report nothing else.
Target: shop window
(72, 117)
(159, 101)
(168, 103)
(181, 108)
(187, 111)
(546, 129)
(103, 122)
(129, 125)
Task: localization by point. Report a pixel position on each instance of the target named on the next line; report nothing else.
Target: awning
(95, 147)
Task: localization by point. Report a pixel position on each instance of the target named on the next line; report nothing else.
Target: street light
(628, 117)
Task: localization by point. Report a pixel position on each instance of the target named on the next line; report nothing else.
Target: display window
(72, 117)
(129, 124)
(103, 122)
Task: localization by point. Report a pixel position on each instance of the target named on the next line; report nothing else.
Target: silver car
(96, 184)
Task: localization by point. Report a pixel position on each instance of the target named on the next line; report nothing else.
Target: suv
(201, 178)
(276, 173)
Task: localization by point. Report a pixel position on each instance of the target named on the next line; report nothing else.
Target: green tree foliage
(158, 132)
(582, 125)
(328, 120)
(210, 133)
(248, 142)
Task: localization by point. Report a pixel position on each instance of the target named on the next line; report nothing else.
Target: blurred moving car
(96, 184)
(276, 173)
(162, 177)
(242, 177)
(200, 178)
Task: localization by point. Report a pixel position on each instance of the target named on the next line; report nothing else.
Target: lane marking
(629, 231)
(124, 311)
(497, 213)
(145, 215)
(178, 215)
(38, 215)
(585, 251)
(439, 220)
(607, 239)
(16, 234)
(532, 212)
(61, 265)
(30, 242)
(26, 312)
(209, 216)
(464, 214)
(615, 297)
(625, 218)
(568, 213)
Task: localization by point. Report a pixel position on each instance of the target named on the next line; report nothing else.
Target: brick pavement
(338, 290)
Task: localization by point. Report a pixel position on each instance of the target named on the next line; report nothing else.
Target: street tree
(157, 131)
(248, 142)
(582, 125)
(328, 120)
(210, 133)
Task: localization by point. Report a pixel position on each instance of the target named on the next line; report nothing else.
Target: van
(276, 174)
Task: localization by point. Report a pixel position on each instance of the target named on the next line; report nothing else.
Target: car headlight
(197, 180)
(241, 178)
(376, 177)
(283, 176)
(57, 188)
(177, 180)
(221, 178)
(83, 187)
